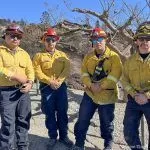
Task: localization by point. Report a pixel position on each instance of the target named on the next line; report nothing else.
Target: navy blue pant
(15, 111)
(54, 104)
(133, 114)
(86, 112)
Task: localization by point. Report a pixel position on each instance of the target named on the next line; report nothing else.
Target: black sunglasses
(15, 36)
(144, 39)
(50, 39)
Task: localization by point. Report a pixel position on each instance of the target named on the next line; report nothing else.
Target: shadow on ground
(41, 143)
(34, 141)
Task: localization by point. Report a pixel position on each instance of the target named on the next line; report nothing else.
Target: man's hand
(141, 98)
(95, 87)
(26, 87)
(54, 84)
(19, 77)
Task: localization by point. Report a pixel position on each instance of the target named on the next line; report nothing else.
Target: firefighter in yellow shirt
(16, 78)
(101, 70)
(136, 81)
(51, 69)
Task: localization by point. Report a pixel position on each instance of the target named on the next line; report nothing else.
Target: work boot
(12, 148)
(6, 148)
(107, 148)
(23, 148)
(66, 141)
(51, 144)
(108, 145)
(76, 148)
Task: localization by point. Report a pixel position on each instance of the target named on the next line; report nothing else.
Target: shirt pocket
(134, 75)
(58, 64)
(91, 65)
(22, 65)
(46, 64)
(8, 64)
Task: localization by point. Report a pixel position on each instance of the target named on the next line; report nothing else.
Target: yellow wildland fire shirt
(50, 67)
(136, 75)
(112, 66)
(11, 63)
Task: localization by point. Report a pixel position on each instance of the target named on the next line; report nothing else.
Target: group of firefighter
(101, 70)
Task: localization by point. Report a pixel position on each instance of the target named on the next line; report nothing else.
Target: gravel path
(38, 133)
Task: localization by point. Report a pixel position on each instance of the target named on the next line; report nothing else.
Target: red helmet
(14, 28)
(50, 32)
(98, 32)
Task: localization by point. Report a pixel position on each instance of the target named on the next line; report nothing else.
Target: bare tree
(45, 19)
(120, 32)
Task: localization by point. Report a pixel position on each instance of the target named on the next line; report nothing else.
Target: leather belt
(10, 87)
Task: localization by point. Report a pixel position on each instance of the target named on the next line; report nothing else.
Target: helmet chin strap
(51, 51)
(100, 51)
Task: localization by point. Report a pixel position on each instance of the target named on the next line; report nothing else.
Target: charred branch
(102, 17)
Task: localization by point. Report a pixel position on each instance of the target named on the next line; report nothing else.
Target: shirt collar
(105, 55)
(139, 58)
(56, 53)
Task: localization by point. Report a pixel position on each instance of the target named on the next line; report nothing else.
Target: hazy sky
(31, 10)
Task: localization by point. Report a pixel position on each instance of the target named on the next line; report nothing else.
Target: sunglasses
(144, 39)
(97, 40)
(50, 39)
(15, 36)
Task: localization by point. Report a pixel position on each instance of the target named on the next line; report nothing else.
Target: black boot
(23, 148)
(108, 145)
(51, 144)
(66, 141)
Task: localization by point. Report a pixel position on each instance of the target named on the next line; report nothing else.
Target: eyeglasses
(15, 36)
(97, 40)
(144, 39)
(50, 39)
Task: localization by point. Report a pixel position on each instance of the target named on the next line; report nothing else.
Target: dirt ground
(38, 133)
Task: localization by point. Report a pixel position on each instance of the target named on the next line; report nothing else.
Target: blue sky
(31, 10)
